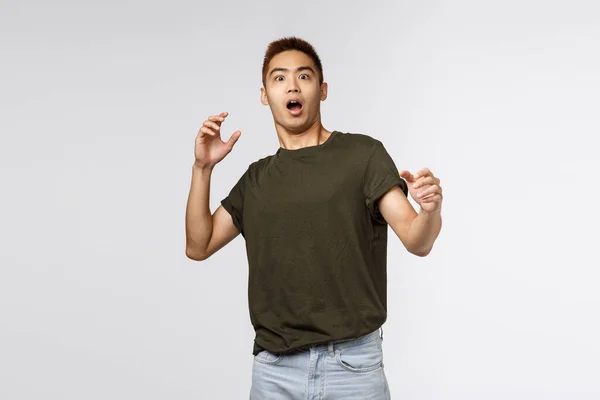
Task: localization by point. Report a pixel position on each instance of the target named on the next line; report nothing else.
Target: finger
(234, 138)
(213, 125)
(216, 118)
(406, 175)
(423, 172)
(437, 193)
(429, 190)
(428, 180)
(219, 117)
(432, 199)
(207, 131)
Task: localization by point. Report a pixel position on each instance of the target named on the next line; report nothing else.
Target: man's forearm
(423, 232)
(198, 219)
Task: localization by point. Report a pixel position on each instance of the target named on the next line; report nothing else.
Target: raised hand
(209, 148)
(425, 189)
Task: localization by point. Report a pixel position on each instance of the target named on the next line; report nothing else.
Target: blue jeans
(350, 369)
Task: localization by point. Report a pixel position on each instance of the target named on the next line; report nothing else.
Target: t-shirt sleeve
(234, 203)
(380, 176)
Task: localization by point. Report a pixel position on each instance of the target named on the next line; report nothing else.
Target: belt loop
(381, 327)
(330, 348)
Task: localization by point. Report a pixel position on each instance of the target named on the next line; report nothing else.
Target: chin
(288, 120)
(294, 127)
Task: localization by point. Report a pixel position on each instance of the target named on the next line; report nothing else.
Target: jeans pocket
(266, 357)
(364, 357)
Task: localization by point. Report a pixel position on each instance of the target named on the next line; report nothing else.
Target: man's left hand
(425, 189)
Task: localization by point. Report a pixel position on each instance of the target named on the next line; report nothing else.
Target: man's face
(292, 75)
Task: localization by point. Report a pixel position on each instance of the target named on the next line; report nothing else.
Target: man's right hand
(210, 149)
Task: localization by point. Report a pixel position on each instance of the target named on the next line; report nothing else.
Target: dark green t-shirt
(316, 241)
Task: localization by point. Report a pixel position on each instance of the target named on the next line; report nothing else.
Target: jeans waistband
(345, 343)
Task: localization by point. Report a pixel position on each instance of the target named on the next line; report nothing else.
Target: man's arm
(417, 232)
(205, 233)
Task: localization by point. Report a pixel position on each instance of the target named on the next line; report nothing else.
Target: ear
(263, 96)
(323, 91)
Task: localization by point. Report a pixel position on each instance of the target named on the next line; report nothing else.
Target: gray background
(100, 105)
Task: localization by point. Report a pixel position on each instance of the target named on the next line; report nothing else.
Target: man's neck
(313, 136)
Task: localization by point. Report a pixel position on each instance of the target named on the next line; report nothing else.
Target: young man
(314, 216)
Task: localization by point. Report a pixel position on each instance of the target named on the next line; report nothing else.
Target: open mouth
(294, 106)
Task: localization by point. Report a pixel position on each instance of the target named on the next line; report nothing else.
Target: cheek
(315, 101)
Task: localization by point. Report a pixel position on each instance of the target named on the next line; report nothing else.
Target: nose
(292, 86)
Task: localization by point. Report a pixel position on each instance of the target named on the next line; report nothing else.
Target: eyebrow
(303, 68)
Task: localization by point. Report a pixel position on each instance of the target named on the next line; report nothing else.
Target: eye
(279, 76)
(301, 75)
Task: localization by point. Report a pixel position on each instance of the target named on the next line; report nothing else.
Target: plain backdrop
(100, 105)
